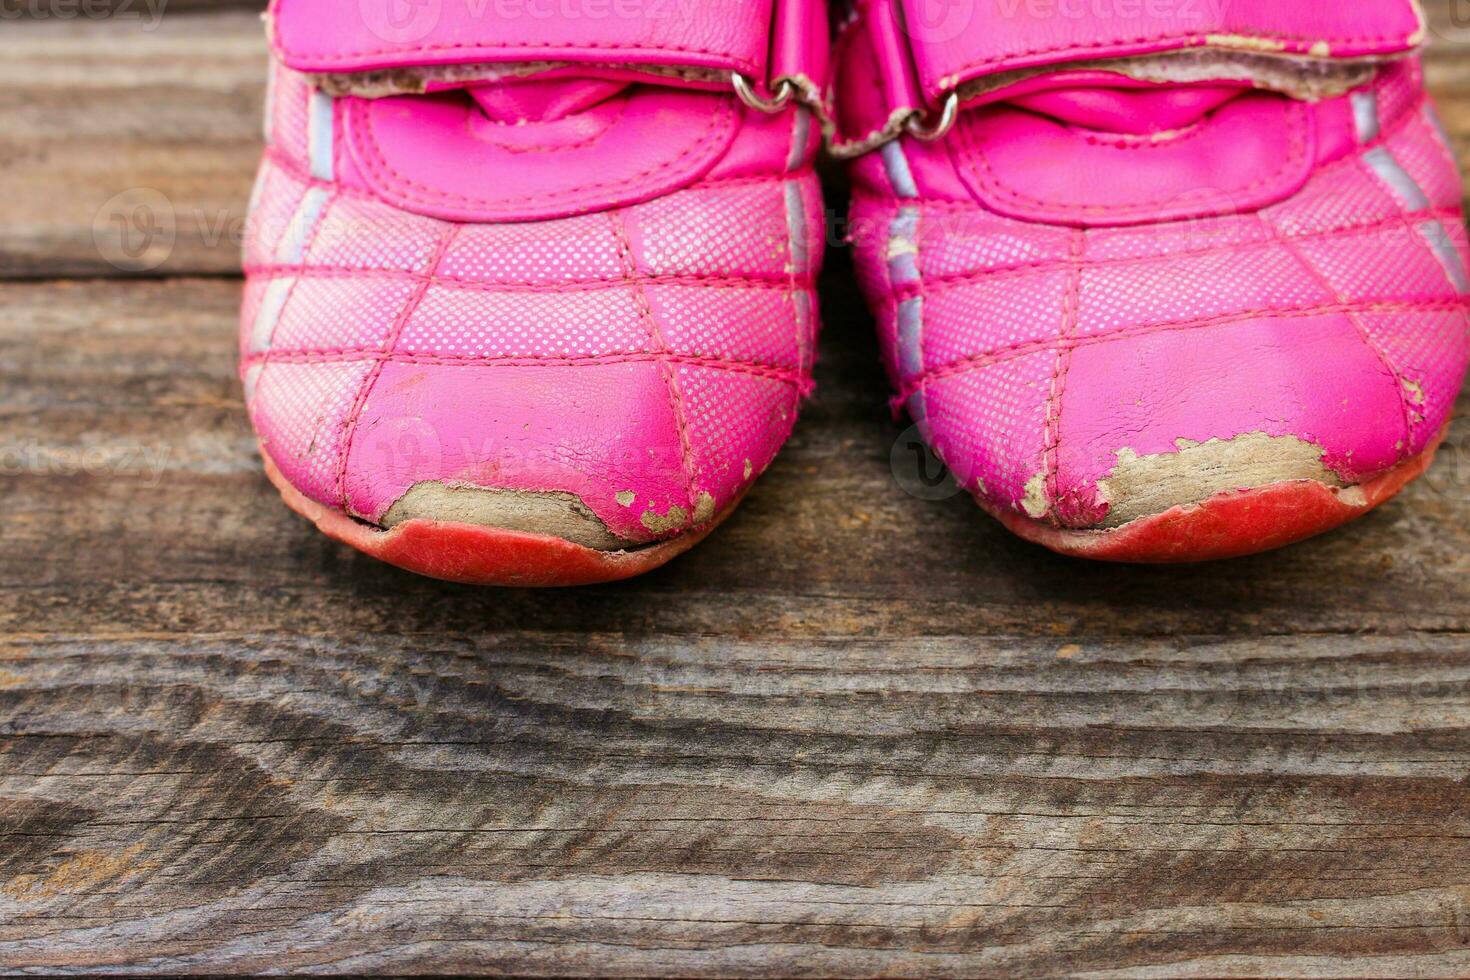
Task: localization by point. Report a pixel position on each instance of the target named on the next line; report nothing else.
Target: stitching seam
(1051, 448)
(364, 139)
(370, 380)
(303, 271)
(281, 159)
(1011, 351)
(1298, 136)
(773, 372)
(655, 337)
(1053, 265)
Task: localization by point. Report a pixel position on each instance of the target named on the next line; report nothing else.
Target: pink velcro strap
(955, 42)
(375, 35)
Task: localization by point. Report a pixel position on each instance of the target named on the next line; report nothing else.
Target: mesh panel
(1344, 196)
(289, 101)
(359, 234)
(1399, 88)
(488, 323)
(999, 314)
(1385, 265)
(1417, 149)
(989, 424)
(738, 230)
(339, 313)
(1227, 233)
(1186, 288)
(954, 242)
(1429, 352)
(729, 417)
(277, 200)
(751, 325)
(570, 250)
(299, 411)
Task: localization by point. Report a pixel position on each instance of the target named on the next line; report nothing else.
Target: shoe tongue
(542, 100)
(1130, 111)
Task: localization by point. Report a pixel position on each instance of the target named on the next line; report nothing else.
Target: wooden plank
(735, 807)
(146, 12)
(137, 146)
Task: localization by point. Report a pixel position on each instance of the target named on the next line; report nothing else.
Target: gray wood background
(854, 733)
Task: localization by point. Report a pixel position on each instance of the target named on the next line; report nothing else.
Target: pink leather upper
(441, 155)
(1089, 270)
(569, 281)
(1236, 148)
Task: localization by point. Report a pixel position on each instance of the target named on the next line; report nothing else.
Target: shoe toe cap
(606, 455)
(1120, 429)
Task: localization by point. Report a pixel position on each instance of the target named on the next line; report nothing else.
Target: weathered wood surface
(855, 732)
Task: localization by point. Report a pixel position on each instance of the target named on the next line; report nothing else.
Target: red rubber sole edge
(472, 554)
(1228, 525)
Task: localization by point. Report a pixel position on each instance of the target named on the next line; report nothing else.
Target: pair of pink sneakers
(530, 282)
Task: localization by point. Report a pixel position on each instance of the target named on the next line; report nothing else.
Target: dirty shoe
(1183, 284)
(529, 295)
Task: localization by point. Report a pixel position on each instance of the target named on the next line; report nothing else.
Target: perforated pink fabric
(1336, 316)
(649, 359)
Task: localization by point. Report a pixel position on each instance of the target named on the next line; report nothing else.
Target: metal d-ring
(743, 88)
(919, 129)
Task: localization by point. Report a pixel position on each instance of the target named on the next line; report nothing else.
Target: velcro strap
(956, 42)
(899, 62)
(342, 36)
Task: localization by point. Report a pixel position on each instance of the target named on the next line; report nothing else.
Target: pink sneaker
(1184, 282)
(529, 294)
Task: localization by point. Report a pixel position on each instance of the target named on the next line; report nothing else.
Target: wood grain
(97, 117)
(855, 732)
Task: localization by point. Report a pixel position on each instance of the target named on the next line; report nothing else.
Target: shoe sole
(1231, 524)
(473, 554)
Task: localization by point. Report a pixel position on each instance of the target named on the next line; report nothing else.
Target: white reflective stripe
(801, 132)
(897, 166)
(796, 228)
(1438, 125)
(796, 234)
(268, 124)
(1365, 115)
(271, 305)
(292, 247)
(319, 134)
(911, 352)
(911, 335)
(1437, 237)
(903, 247)
(252, 381)
(903, 269)
(1397, 180)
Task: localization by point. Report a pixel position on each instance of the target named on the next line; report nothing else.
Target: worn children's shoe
(529, 294)
(1188, 283)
